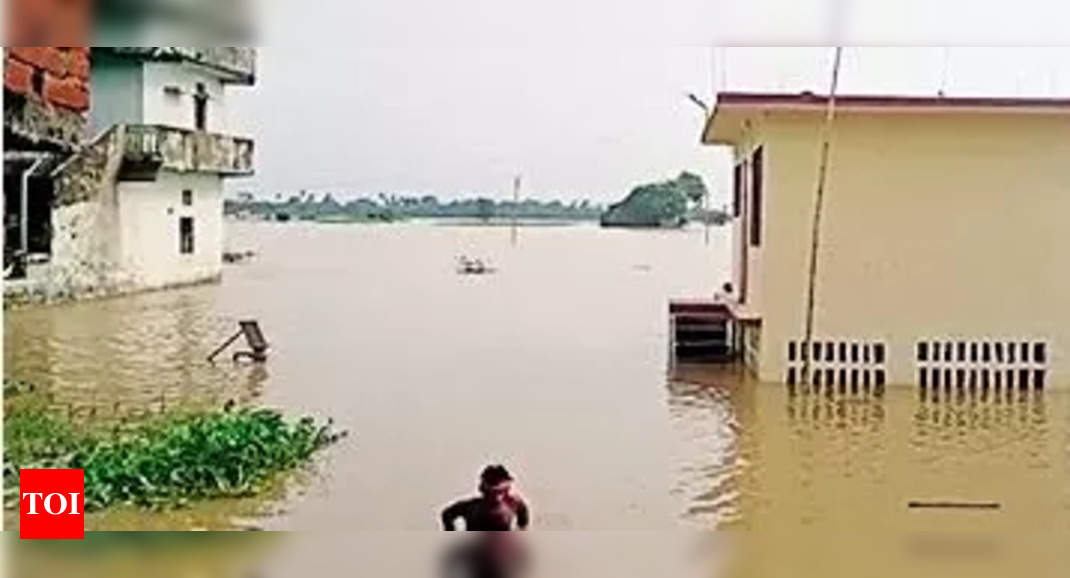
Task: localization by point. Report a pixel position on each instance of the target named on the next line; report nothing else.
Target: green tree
(484, 208)
(692, 186)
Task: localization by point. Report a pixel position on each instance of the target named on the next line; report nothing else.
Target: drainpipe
(24, 209)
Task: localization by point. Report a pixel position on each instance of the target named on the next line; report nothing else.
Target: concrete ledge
(25, 293)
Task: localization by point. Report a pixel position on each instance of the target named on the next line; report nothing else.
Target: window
(756, 199)
(187, 198)
(737, 191)
(185, 235)
(200, 107)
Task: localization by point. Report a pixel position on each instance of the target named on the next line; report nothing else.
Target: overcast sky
(584, 99)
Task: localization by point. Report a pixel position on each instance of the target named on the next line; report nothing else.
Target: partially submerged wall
(112, 236)
(84, 228)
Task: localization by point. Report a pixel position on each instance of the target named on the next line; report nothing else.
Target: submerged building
(941, 260)
(128, 195)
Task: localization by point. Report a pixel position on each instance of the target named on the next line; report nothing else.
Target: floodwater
(556, 366)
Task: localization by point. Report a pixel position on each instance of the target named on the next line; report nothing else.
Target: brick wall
(46, 95)
(59, 76)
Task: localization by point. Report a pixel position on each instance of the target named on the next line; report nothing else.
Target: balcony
(148, 149)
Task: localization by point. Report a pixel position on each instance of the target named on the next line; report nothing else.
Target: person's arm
(522, 514)
(451, 513)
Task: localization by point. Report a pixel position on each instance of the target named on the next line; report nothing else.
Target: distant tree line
(385, 208)
(670, 203)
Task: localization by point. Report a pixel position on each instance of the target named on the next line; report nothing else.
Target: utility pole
(815, 229)
(516, 208)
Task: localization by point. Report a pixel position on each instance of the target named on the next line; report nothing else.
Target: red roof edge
(809, 99)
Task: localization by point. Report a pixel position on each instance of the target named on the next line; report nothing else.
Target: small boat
(467, 266)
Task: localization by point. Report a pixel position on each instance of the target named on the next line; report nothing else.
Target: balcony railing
(154, 147)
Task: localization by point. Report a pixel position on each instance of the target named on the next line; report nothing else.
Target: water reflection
(859, 410)
(126, 359)
(826, 474)
(707, 415)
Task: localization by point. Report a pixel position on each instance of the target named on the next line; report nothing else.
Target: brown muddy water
(556, 366)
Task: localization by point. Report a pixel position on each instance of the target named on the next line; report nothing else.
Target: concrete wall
(133, 91)
(118, 89)
(149, 214)
(946, 227)
(85, 240)
(177, 110)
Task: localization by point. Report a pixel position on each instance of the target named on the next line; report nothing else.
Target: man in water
(495, 509)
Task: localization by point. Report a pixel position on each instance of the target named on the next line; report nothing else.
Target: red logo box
(51, 504)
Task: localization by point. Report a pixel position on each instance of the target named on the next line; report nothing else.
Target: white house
(140, 206)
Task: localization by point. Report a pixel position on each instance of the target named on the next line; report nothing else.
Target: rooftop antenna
(699, 103)
(815, 230)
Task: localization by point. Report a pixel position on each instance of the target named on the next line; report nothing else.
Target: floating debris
(467, 266)
(237, 256)
(915, 504)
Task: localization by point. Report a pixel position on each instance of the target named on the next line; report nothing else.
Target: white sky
(585, 99)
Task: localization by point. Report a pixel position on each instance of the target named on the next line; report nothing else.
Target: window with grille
(981, 363)
(838, 362)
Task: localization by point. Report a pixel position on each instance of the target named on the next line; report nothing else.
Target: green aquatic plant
(166, 462)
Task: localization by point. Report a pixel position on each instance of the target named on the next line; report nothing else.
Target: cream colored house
(943, 257)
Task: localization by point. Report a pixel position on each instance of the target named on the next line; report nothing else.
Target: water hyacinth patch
(169, 461)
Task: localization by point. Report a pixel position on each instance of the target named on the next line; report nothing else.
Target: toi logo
(51, 504)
